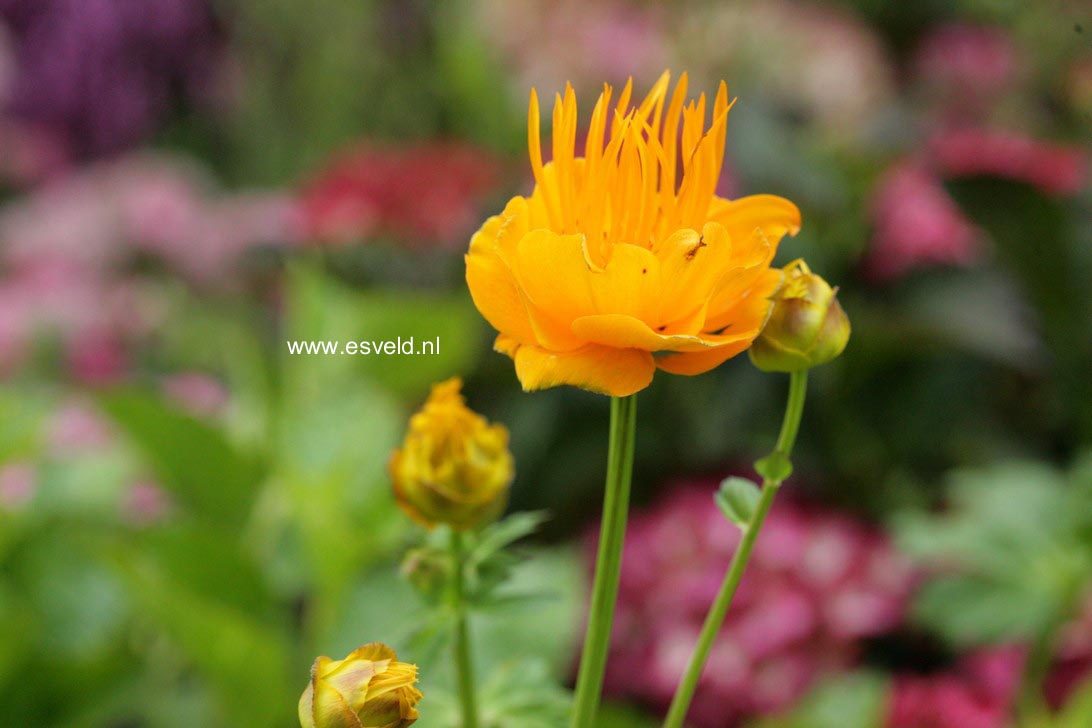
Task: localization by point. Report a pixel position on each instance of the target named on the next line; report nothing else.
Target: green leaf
(321, 308)
(856, 700)
(195, 461)
(243, 659)
(775, 467)
(736, 499)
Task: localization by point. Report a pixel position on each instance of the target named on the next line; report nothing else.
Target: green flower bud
(807, 326)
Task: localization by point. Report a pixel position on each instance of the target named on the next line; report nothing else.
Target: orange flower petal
(744, 301)
(691, 265)
(624, 332)
(492, 285)
(630, 283)
(774, 216)
(700, 362)
(615, 372)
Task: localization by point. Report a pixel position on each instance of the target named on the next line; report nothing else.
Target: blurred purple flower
(103, 74)
(967, 66)
(818, 583)
(916, 224)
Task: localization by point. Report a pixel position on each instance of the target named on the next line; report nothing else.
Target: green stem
(593, 660)
(680, 704)
(464, 667)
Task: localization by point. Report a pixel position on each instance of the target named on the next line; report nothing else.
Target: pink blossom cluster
(916, 224)
(65, 247)
(818, 583)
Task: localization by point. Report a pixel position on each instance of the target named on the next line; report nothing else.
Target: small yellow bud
(368, 689)
(454, 467)
(807, 326)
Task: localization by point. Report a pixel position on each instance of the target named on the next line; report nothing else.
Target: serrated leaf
(736, 499)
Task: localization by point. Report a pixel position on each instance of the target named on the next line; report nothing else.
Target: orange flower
(620, 261)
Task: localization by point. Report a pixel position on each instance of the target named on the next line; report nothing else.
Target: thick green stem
(608, 563)
(684, 694)
(464, 666)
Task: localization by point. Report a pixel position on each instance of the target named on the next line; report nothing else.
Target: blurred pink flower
(586, 42)
(18, 481)
(149, 203)
(916, 224)
(146, 504)
(818, 583)
(199, 394)
(967, 66)
(832, 69)
(427, 194)
(76, 427)
(1054, 168)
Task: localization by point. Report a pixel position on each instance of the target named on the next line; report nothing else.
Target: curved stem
(464, 667)
(608, 562)
(684, 694)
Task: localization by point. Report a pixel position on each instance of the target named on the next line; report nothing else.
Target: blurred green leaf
(245, 660)
(856, 700)
(192, 459)
(1010, 554)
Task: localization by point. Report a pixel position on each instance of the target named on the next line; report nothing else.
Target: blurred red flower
(1055, 169)
(422, 195)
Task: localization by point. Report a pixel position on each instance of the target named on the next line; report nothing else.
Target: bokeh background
(188, 514)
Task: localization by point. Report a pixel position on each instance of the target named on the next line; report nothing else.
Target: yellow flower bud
(454, 467)
(368, 689)
(807, 326)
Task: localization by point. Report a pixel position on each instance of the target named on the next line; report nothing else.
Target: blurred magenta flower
(967, 67)
(103, 74)
(819, 582)
(916, 224)
(97, 357)
(975, 693)
(423, 195)
(1056, 169)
